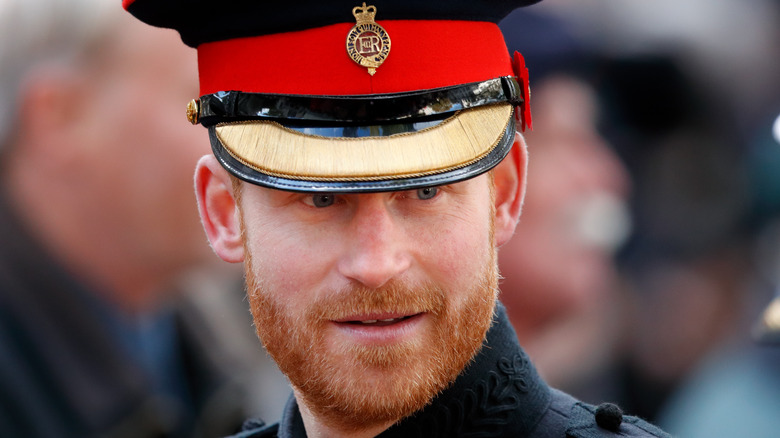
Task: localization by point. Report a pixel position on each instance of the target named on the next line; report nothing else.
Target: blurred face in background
(141, 146)
(110, 193)
(574, 217)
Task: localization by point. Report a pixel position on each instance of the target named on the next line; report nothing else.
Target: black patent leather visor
(357, 131)
(412, 140)
(255, 172)
(360, 110)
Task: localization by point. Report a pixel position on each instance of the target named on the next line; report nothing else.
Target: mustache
(394, 297)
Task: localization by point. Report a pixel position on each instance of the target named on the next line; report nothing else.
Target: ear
(218, 209)
(509, 178)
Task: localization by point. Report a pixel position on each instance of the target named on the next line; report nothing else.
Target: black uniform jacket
(499, 395)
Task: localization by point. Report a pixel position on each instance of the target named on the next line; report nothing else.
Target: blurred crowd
(657, 185)
(116, 320)
(648, 247)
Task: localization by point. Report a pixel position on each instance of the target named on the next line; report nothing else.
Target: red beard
(352, 386)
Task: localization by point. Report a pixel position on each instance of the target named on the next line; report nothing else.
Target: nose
(376, 250)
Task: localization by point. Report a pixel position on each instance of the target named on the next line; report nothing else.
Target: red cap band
(423, 55)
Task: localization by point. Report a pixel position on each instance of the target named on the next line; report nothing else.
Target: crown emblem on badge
(364, 14)
(368, 44)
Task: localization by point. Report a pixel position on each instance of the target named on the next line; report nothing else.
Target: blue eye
(427, 192)
(321, 200)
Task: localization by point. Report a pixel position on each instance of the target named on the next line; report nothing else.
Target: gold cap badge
(368, 44)
(193, 111)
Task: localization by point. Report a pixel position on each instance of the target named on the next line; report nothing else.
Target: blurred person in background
(735, 389)
(97, 224)
(687, 261)
(682, 106)
(560, 281)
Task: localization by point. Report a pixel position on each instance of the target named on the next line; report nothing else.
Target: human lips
(379, 320)
(380, 328)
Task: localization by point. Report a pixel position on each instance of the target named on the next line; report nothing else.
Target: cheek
(291, 264)
(454, 249)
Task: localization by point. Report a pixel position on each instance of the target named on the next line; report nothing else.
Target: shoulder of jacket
(257, 429)
(607, 420)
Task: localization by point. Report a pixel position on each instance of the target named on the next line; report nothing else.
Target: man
(97, 223)
(574, 216)
(710, 402)
(366, 167)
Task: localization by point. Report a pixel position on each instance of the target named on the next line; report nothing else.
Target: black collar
(498, 394)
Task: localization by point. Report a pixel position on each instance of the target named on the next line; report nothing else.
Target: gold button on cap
(193, 111)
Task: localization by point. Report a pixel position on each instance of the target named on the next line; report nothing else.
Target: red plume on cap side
(524, 115)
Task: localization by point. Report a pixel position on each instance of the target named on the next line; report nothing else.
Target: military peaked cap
(341, 96)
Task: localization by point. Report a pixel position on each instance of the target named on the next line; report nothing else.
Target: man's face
(575, 214)
(143, 154)
(370, 303)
